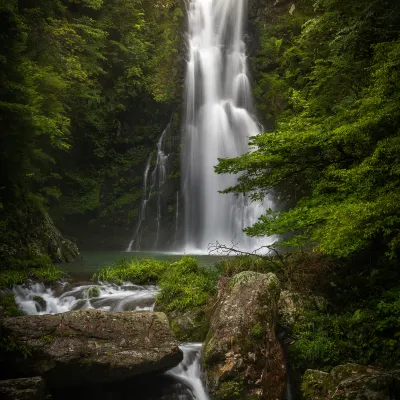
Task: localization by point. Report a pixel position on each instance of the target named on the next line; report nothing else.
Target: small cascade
(189, 373)
(155, 177)
(37, 299)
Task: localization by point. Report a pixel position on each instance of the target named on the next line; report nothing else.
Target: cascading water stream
(181, 383)
(189, 372)
(218, 123)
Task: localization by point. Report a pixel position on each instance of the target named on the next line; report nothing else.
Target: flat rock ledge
(22, 389)
(87, 346)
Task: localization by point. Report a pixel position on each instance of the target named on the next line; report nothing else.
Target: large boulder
(22, 389)
(242, 356)
(351, 381)
(88, 346)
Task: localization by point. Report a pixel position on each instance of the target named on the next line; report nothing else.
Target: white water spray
(218, 124)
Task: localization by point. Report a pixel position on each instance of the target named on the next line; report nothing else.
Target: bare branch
(223, 250)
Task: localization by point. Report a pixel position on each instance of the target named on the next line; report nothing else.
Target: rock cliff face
(45, 238)
(88, 346)
(32, 232)
(242, 356)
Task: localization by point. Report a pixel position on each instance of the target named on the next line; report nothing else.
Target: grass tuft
(140, 272)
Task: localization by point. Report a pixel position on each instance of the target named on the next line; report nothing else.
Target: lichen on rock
(88, 346)
(316, 384)
(243, 358)
(350, 381)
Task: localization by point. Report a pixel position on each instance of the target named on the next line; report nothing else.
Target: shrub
(185, 285)
(30, 262)
(369, 335)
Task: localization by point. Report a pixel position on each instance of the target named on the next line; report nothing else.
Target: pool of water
(92, 261)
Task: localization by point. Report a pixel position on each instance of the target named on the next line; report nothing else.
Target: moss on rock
(348, 382)
(316, 385)
(241, 345)
(40, 303)
(93, 291)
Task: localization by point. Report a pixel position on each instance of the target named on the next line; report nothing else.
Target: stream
(183, 382)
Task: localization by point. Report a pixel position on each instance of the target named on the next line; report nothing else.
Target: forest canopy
(87, 86)
(329, 87)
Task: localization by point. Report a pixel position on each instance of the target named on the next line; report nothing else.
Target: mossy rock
(92, 292)
(230, 390)
(350, 382)
(348, 371)
(316, 385)
(66, 349)
(23, 389)
(241, 345)
(40, 303)
(189, 326)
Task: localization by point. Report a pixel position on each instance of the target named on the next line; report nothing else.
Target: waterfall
(176, 217)
(157, 179)
(218, 124)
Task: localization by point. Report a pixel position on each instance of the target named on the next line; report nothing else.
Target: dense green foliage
(87, 88)
(369, 335)
(186, 285)
(328, 84)
(19, 271)
(140, 272)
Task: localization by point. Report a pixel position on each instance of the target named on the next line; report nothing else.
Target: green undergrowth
(368, 335)
(18, 271)
(187, 291)
(185, 285)
(8, 306)
(140, 272)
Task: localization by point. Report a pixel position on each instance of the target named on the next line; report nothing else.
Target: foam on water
(64, 297)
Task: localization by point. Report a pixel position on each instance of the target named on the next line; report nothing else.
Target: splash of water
(218, 124)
